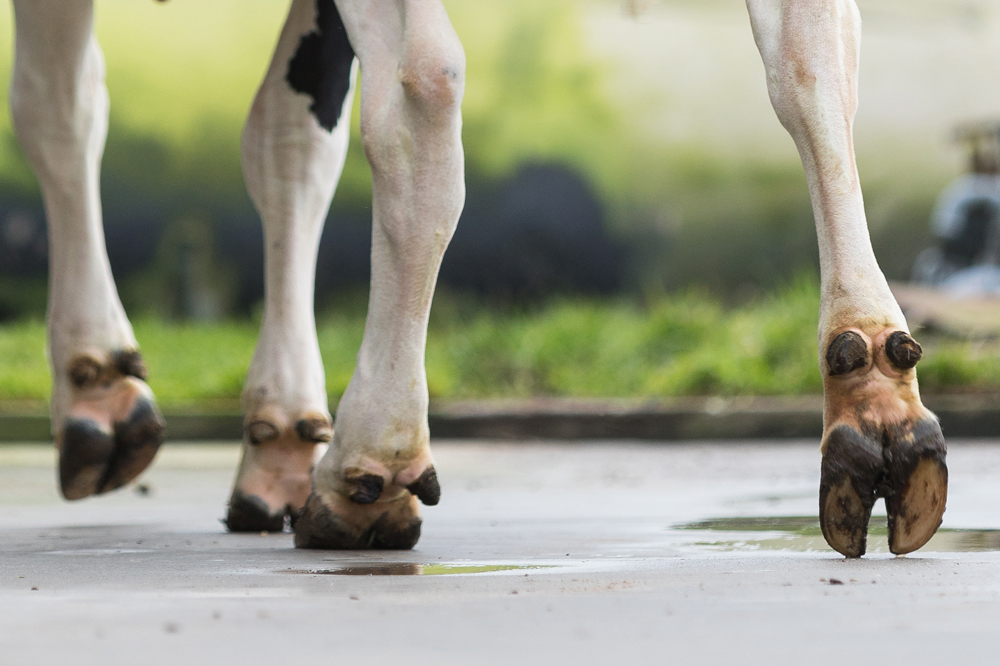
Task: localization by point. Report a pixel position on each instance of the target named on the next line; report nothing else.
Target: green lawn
(680, 345)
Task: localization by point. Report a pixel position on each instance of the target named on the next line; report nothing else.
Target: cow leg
(366, 486)
(104, 418)
(294, 146)
(879, 440)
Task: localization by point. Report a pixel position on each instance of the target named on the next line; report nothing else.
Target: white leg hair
(292, 165)
(412, 80)
(59, 105)
(105, 423)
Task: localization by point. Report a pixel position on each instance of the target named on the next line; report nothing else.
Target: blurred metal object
(966, 221)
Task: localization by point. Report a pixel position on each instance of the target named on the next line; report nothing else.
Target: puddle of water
(406, 569)
(803, 533)
(97, 551)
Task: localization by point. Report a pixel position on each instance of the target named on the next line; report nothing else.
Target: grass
(687, 344)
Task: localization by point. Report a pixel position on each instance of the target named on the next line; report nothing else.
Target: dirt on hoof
(903, 464)
(852, 467)
(918, 487)
(339, 524)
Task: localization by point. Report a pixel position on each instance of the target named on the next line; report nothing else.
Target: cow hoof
(273, 482)
(917, 487)
(334, 522)
(113, 429)
(880, 441)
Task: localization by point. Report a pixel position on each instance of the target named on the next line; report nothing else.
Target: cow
(364, 491)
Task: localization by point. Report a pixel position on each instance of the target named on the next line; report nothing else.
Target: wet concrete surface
(591, 553)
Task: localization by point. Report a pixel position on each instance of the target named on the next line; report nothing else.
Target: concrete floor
(611, 578)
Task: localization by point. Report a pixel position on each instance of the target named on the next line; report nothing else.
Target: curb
(680, 419)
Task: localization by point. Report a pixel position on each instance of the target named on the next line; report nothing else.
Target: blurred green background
(637, 221)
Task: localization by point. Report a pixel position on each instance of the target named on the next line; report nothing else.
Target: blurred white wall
(691, 72)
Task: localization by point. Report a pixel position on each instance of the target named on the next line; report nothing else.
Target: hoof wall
(93, 461)
(249, 513)
(906, 468)
(321, 525)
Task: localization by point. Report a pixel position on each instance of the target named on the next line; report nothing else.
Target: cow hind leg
(879, 440)
(366, 487)
(104, 418)
(294, 145)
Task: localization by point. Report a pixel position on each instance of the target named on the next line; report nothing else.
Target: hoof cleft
(905, 466)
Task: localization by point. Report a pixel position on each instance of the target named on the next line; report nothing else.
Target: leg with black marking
(367, 486)
(879, 440)
(294, 146)
(104, 417)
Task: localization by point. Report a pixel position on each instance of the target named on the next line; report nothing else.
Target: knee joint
(433, 77)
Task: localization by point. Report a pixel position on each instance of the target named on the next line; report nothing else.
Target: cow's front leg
(294, 146)
(104, 417)
(366, 487)
(879, 440)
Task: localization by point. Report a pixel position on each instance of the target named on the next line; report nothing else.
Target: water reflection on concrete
(803, 533)
(410, 569)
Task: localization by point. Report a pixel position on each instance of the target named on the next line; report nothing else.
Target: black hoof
(917, 488)
(92, 461)
(852, 467)
(249, 513)
(320, 528)
(905, 465)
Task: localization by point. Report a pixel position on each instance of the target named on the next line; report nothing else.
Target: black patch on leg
(321, 66)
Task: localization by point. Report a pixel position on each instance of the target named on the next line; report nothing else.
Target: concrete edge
(593, 419)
